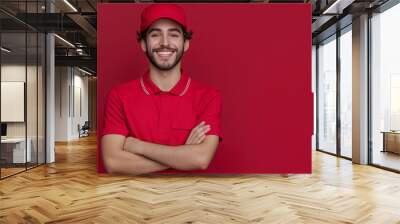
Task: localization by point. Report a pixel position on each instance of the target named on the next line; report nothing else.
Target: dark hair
(187, 35)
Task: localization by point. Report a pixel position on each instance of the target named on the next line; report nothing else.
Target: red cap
(159, 11)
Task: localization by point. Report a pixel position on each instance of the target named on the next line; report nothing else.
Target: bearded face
(165, 44)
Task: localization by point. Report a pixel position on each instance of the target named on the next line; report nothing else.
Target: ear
(143, 45)
(186, 45)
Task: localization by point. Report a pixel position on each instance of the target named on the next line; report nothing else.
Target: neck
(165, 80)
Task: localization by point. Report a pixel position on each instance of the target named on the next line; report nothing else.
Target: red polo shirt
(140, 109)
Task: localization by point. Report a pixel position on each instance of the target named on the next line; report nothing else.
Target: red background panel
(257, 55)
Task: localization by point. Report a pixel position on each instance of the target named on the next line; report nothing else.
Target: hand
(133, 145)
(198, 134)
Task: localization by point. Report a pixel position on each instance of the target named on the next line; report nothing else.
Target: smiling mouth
(165, 54)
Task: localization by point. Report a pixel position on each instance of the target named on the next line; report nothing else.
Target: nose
(164, 40)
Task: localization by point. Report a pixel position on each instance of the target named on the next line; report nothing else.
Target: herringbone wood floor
(70, 191)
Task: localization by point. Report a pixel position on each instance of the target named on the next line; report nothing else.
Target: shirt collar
(150, 88)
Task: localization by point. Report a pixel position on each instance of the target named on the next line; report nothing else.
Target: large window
(346, 92)
(314, 87)
(327, 95)
(334, 60)
(385, 88)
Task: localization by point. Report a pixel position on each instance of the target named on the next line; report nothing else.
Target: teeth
(164, 53)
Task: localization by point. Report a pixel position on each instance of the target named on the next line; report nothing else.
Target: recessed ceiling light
(64, 40)
(84, 71)
(5, 50)
(70, 5)
(337, 7)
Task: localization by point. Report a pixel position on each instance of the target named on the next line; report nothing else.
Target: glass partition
(22, 63)
(327, 95)
(13, 103)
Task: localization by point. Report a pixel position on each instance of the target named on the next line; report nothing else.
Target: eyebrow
(154, 29)
(175, 29)
(159, 30)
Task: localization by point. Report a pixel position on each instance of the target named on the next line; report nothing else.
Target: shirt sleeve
(211, 113)
(114, 116)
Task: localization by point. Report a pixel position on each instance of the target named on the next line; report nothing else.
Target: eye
(154, 34)
(175, 35)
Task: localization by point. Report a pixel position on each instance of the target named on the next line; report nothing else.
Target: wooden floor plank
(70, 191)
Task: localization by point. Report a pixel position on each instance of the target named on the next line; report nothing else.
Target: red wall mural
(257, 55)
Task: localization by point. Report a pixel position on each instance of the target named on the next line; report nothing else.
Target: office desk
(391, 141)
(13, 150)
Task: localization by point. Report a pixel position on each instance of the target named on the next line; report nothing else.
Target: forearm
(117, 160)
(182, 157)
(134, 164)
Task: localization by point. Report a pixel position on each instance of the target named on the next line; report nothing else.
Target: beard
(165, 66)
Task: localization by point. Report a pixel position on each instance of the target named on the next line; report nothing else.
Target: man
(164, 119)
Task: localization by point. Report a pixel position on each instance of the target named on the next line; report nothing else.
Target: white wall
(71, 93)
(61, 103)
(81, 103)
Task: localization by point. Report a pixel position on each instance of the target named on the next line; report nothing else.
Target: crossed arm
(130, 155)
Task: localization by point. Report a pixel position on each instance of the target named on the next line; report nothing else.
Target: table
(15, 148)
(391, 141)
